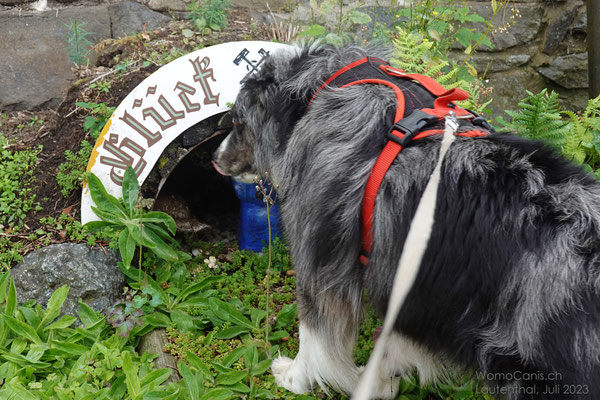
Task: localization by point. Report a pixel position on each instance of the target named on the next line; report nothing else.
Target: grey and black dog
(510, 282)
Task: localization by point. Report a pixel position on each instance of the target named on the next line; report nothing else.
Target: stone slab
(35, 70)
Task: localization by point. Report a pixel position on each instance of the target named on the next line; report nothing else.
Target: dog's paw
(291, 374)
(386, 388)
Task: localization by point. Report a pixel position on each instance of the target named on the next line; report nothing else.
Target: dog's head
(266, 109)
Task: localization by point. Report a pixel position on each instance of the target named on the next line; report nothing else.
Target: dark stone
(35, 70)
(557, 30)
(131, 17)
(495, 63)
(570, 71)
(580, 24)
(91, 274)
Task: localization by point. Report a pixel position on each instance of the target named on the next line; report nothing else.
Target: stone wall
(543, 46)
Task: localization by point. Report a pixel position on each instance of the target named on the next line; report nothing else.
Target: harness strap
(405, 129)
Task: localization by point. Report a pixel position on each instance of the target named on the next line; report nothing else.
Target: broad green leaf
(196, 362)
(155, 378)
(11, 300)
(257, 315)
(157, 319)
(151, 240)
(228, 312)
(21, 329)
(474, 18)
(313, 31)
(193, 382)
(229, 378)
(126, 247)
(231, 332)
(17, 392)
(108, 217)
(103, 200)
(31, 316)
(161, 232)
(63, 322)
(67, 348)
(159, 217)
(196, 287)
(131, 375)
(87, 315)
(118, 388)
(23, 361)
(97, 226)
(278, 335)
(261, 367)
(4, 280)
(217, 394)
(233, 356)
(54, 304)
(130, 190)
(286, 316)
(239, 387)
(359, 17)
(182, 320)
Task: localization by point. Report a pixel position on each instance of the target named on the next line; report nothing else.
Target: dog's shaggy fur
(510, 282)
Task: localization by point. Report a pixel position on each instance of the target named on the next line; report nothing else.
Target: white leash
(410, 261)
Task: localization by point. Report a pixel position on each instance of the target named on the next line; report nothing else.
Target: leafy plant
(539, 118)
(582, 143)
(135, 227)
(71, 173)
(337, 32)
(209, 13)
(17, 169)
(100, 114)
(78, 43)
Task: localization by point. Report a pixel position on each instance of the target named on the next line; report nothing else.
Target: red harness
(421, 102)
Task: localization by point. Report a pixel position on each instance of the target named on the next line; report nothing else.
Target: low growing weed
(17, 169)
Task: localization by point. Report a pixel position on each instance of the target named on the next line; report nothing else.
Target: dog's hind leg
(327, 333)
(317, 362)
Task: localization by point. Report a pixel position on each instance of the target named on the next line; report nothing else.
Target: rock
(91, 274)
(131, 17)
(568, 71)
(557, 30)
(493, 63)
(520, 31)
(509, 88)
(167, 5)
(580, 24)
(13, 2)
(35, 70)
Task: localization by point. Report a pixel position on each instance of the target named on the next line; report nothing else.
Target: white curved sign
(172, 99)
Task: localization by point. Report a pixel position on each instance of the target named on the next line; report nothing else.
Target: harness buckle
(410, 126)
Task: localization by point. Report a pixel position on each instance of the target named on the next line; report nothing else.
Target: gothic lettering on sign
(151, 137)
(122, 159)
(163, 123)
(203, 73)
(184, 91)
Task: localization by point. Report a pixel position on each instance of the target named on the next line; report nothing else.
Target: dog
(509, 285)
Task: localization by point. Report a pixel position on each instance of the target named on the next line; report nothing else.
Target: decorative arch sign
(172, 99)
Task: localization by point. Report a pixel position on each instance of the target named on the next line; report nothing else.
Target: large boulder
(35, 70)
(92, 275)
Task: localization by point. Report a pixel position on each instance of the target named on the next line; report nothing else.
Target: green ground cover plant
(16, 178)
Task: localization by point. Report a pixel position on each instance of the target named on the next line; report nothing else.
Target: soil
(59, 130)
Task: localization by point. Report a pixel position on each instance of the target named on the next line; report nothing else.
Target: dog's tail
(414, 248)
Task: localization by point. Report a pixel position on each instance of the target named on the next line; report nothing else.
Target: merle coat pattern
(510, 282)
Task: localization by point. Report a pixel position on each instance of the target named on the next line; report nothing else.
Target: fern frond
(539, 118)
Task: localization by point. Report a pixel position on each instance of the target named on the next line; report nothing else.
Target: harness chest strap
(370, 70)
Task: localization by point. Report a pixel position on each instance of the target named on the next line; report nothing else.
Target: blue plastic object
(253, 229)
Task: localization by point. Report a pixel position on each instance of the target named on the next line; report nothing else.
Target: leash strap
(410, 262)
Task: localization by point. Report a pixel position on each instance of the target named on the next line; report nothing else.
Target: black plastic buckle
(410, 126)
(480, 121)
